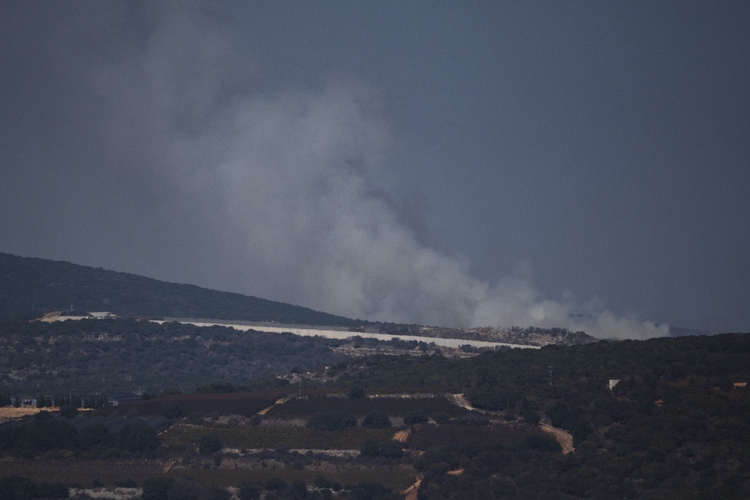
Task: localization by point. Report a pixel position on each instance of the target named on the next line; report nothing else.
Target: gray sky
(581, 164)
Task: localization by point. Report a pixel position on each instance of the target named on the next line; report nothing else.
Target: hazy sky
(582, 164)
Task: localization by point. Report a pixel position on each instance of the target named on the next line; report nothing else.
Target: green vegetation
(395, 407)
(275, 437)
(331, 421)
(172, 410)
(388, 449)
(377, 419)
(676, 424)
(43, 434)
(167, 488)
(111, 356)
(22, 488)
(415, 417)
(210, 443)
(31, 287)
(235, 403)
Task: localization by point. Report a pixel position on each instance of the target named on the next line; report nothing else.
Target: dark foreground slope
(676, 425)
(46, 285)
(663, 418)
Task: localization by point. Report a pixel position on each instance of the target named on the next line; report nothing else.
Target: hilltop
(38, 285)
(32, 287)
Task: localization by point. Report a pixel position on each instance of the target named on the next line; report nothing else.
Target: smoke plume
(198, 172)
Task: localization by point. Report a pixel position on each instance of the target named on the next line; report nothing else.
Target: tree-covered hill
(663, 418)
(112, 356)
(31, 287)
(28, 284)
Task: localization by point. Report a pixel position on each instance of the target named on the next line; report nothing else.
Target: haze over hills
(33, 286)
(38, 285)
(658, 418)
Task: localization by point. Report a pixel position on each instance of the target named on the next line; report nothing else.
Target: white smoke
(278, 193)
(295, 176)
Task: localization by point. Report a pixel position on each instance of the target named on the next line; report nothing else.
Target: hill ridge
(34, 285)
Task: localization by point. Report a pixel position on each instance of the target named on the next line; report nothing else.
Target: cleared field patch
(80, 472)
(394, 406)
(426, 437)
(236, 403)
(274, 437)
(390, 477)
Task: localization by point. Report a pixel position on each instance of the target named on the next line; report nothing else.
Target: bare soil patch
(561, 435)
(8, 413)
(402, 436)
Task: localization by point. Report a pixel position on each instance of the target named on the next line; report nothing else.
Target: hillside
(30, 287)
(663, 418)
(123, 355)
(42, 285)
(112, 356)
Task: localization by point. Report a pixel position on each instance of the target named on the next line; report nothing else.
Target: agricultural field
(359, 407)
(236, 403)
(644, 420)
(273, 437)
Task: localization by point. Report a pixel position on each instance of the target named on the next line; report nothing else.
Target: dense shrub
(22, 488)
(274, 484)
(217, 388)
(93, 436)
(157, 488)
(370, 448)
(331, 421)
(415, 417)
(373, 491)
(167, 488)
(530, 416)
(172, 410)
(138, 438)
(494, 398)
(389, 449)
(539, 443)
(356, 391)
(249, 491)
(441, 418)
(40, 435)
(376, 420)
(210, 443)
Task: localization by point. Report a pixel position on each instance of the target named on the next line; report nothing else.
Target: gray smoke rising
(178, 164)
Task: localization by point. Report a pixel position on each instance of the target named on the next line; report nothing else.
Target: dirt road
(561, 435)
